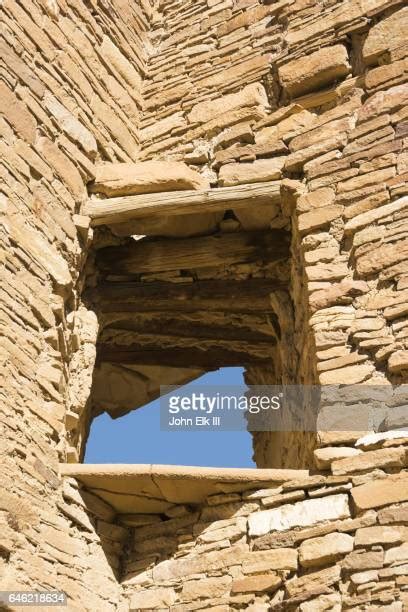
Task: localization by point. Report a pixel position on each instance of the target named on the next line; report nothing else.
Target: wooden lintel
(239, 296)
(165, 255)
(119, 210)
(170, 330)
(183, 357)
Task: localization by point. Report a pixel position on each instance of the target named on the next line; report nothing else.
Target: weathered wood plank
(145, 256)
(170, 330)
(119, 210)
(237, 354)
(239, 296)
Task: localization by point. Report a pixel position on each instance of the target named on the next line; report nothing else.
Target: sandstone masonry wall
(333, 126)
(70, 91)
(313, 94)
(326, 114)
(201, 50)
(332, 541)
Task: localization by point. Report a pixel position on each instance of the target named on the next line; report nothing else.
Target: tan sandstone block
(378, 493)
(315, 199)
(168, 95)
(63, 166)
(290, 538)
(300, 514)
(311, 72)
(257, 64)
(389, 33)
(336, 293)
(378, 177)
(276, 559)
(326, 549)
(327, 271)
(41, 251)
(296, 160)
(195, 589)
(383, 438)
(397, 554)
(260, 171)
(278, 500)
(251, 95)
(319, 217)
(17, 114)
(115, 58)
(384, 534)
(326, 602)
(313, 582)
(384, 458)
(382, 257)
(389, 74)
(350, 375)
(340, 362)
(324, 457)
(384, 102)
(370, 217)
(393, 514)
(256, 584)
(295, 124)
(398, 362)
(145, 177)
(162, 127)
(152, 599)
(364, 577)
(360, 560)
(322, 132)
(71, 125)
(178, 568)
(231, 532)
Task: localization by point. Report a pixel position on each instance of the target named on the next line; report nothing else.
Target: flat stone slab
(141, 489)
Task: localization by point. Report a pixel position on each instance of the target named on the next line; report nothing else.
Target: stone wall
(336, 135)
(335, 541)
(310, 94)
(70, 91)
(199, 51)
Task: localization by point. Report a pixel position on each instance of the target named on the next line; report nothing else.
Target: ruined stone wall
(199, 51)
(333, 541)
(70, 92)
(327, 114)
(312, 93)
(352, 164)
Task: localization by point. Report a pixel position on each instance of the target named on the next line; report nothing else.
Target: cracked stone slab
(139, 489)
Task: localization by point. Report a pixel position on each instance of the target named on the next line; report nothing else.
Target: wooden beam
(165, 330)
(232, 296)
(119, 210)
(165, 255)
(237, 354)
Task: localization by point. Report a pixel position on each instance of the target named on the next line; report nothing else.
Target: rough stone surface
(251, 95)
(324, 457)
(378, 493)
(386, 35)
(192, 96)
(320, 68)
(300, 514)
(325, 550)
(386, 457)
(254, 172)
(145, 177)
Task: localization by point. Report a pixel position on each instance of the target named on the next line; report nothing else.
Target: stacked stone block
(310, 94)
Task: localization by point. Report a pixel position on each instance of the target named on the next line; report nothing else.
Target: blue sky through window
(137, 438)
